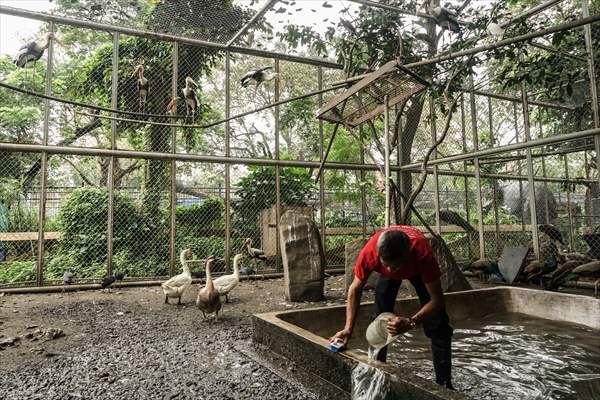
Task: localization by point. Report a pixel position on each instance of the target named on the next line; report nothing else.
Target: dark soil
(127, 344)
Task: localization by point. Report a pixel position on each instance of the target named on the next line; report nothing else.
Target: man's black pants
(437, 328)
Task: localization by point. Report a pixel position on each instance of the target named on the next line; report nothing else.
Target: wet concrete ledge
(301, 335)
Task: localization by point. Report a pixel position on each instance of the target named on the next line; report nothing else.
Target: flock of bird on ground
(553, 268)
(208, 299)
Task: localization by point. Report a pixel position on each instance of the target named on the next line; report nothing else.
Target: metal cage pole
(477, 171)
(543, 161)
(569, 210)
(114, 86)
(39, 276)
(519, 169)
(587, 30)
(277, 171)
(494, 183)
(386, 158)
(173, 172)
(363, 194)
(436, 181)
(466, 179)
(530, 173)
(227, 154)
(321, 155)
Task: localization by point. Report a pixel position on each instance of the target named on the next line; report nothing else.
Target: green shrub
(84, 217)
(17, 271)
(195, 219)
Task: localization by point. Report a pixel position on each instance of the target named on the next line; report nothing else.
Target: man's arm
(352, 306)
(399, 324)
(434, 306)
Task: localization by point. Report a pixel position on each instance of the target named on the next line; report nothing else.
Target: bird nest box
(364, 100)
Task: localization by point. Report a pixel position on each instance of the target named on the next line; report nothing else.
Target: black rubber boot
(442, 362)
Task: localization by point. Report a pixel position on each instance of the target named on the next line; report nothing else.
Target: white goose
(175, 286)
(225, 284)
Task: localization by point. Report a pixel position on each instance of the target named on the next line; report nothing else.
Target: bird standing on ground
(226, 283)
(143, 86)
(33, 51)
(253, 252)
(108, 280)
(190, 97)
(176, 286)
(209, 299)
(444, 17)
(259, 76)
(68, 277)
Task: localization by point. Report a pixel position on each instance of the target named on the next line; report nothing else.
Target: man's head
(393, 247)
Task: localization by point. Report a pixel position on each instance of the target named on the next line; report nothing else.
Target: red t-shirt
(420, 260)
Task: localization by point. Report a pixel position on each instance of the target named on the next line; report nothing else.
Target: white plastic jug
(377, 334)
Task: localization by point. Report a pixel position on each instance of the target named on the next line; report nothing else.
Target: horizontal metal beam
(259, 13)
(508, 148)
(532, 11)
(18, 12)
(413, 168)
(479, 49)
(504, 177)
(391, 8)
(84, 151)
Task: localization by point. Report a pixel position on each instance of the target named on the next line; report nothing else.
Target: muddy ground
(128, 344)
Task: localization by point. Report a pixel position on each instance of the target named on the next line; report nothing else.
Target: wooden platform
(27, 236)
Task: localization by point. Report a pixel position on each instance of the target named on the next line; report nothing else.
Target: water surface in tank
(510, 356)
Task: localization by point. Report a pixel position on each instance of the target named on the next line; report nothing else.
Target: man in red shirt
(403, 252)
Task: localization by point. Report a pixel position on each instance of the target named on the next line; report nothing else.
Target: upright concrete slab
(452, 278)
(303, 258)
(351, 252)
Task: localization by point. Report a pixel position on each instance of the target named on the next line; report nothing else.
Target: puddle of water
(509, 357)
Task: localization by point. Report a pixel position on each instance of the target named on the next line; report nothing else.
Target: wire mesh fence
(161, 198)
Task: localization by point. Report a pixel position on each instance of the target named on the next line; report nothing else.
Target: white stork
(259, 76)
(33, 51)
(143, 86)
(444, 17)
(190, 97)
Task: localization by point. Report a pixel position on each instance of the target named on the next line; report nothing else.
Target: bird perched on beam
(253, 252)
(190, 97)
(172, 106)
(33, 51)
(444, 17)
(143, 86)
(259, 76)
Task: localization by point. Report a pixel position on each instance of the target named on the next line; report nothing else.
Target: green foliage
(83, 217)
(257, 192)
(17, 271)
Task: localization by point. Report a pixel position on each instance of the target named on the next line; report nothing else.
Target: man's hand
(399, 325)
(344, 335)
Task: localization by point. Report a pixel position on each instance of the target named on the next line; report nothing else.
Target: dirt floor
(128, 344)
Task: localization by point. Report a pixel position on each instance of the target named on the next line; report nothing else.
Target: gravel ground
(127, 344)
